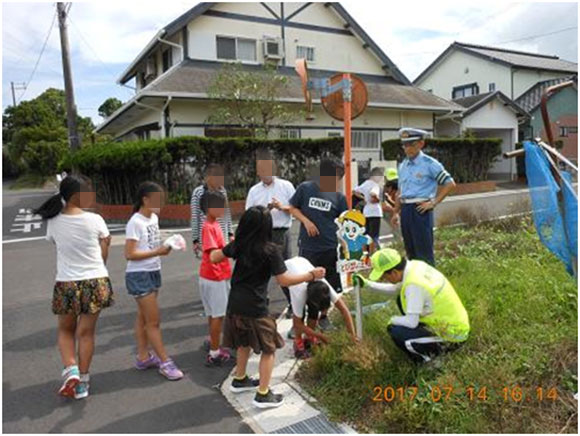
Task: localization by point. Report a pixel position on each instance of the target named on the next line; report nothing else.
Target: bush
(117, 168)
(11, 168)
(42, 157)
(466, 159)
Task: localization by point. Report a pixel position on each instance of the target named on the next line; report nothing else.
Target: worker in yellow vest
(434, 319)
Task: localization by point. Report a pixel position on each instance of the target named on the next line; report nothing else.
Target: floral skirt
(82, 297)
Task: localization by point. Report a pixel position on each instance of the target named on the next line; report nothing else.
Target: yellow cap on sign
(353, 215)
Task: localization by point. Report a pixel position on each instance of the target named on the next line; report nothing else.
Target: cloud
(106, 36)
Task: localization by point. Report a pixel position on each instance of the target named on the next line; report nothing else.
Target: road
(123, 400)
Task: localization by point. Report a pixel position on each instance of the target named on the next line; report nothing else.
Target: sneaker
(70, 379)
(151, 362)
(170, 370)
(219, 360)
(325, 324)
(246, 384)
(268, 400)
(82, 390)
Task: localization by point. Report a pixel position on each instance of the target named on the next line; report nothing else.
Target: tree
(109, 106)
(40, 124)
(250, 99)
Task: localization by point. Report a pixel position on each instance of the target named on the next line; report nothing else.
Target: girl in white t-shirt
(82, 286)
(143, 249)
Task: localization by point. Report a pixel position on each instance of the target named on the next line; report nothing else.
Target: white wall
(451, 72)
(525, 79)
(335, 52)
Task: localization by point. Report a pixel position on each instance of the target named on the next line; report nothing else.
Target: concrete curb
(300, 412)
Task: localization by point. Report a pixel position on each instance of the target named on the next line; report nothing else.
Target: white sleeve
(133, 231)
(49, 235)
(298, 299)
(385, 288)
(250, 198)
(102, 229)
(415, 300)
(411, 320)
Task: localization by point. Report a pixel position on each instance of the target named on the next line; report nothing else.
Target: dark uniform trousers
(417, 229)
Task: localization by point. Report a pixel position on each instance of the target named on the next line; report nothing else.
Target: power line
(537, 36)
(39, 57)
(78, 31)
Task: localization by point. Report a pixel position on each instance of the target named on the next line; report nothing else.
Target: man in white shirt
(371, 192)
(434, 319)
(274, 193)
(316, 296)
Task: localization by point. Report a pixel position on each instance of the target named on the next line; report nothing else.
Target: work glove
(358, 279)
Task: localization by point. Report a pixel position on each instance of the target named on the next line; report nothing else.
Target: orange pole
(347, 109)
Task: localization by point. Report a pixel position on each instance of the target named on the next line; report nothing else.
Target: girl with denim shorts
(82, 286)
(143, 250)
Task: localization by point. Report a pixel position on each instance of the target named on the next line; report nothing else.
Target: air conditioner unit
(150, 68)
(273, 48)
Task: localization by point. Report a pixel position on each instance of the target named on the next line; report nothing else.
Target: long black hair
(68, 187)
(143, 190)
(253, 240)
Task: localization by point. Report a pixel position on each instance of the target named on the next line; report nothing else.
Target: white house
(467, 69)
(489, 115)
(487, 81)
(173, 72)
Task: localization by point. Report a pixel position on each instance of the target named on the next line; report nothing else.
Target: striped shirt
(198, 217)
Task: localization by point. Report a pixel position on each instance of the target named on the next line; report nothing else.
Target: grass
(523, 312)
(29, 181)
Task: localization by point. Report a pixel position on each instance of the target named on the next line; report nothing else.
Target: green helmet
(391, 174)
(383, 260)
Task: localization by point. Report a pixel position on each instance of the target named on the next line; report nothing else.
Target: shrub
(118, 168)
(42, 157)
(466, 159)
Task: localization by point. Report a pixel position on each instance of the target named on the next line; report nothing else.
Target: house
(468, 69)
(491, 83)
(563, 112)
(488, 115)
(174, 70)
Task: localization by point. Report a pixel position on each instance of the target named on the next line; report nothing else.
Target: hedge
(117, 168)
(466, 159)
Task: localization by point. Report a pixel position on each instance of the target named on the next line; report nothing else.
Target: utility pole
(15, 86)
(71, 109)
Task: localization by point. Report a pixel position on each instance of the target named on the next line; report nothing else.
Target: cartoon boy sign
(353, 243)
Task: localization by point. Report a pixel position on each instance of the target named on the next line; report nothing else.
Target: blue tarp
(558, 233)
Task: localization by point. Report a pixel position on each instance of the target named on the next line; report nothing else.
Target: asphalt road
(123, 400)
(17, 219)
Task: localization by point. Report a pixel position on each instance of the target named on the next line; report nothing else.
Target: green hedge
(117, 168)
(466, 159)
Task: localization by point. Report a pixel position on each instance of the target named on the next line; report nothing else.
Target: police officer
(434, 319)
(419, 177)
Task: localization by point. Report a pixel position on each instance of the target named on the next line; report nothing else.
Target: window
(366, 138)
(465, 91)
(305, 52)
(568, 130)
(290, 134)
(334, 134)
(167, 59)
(492, 87)
(236, 48)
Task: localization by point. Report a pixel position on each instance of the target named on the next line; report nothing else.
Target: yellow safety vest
(449, 319)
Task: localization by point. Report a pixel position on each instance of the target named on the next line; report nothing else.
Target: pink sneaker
(151, 362)
(170, 370)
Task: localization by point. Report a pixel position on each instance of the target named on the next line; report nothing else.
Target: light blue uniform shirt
(419, 178)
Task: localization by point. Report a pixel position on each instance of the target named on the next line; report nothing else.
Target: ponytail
(68, 187)
(144, 189)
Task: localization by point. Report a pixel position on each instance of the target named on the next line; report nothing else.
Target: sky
(106, 36)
